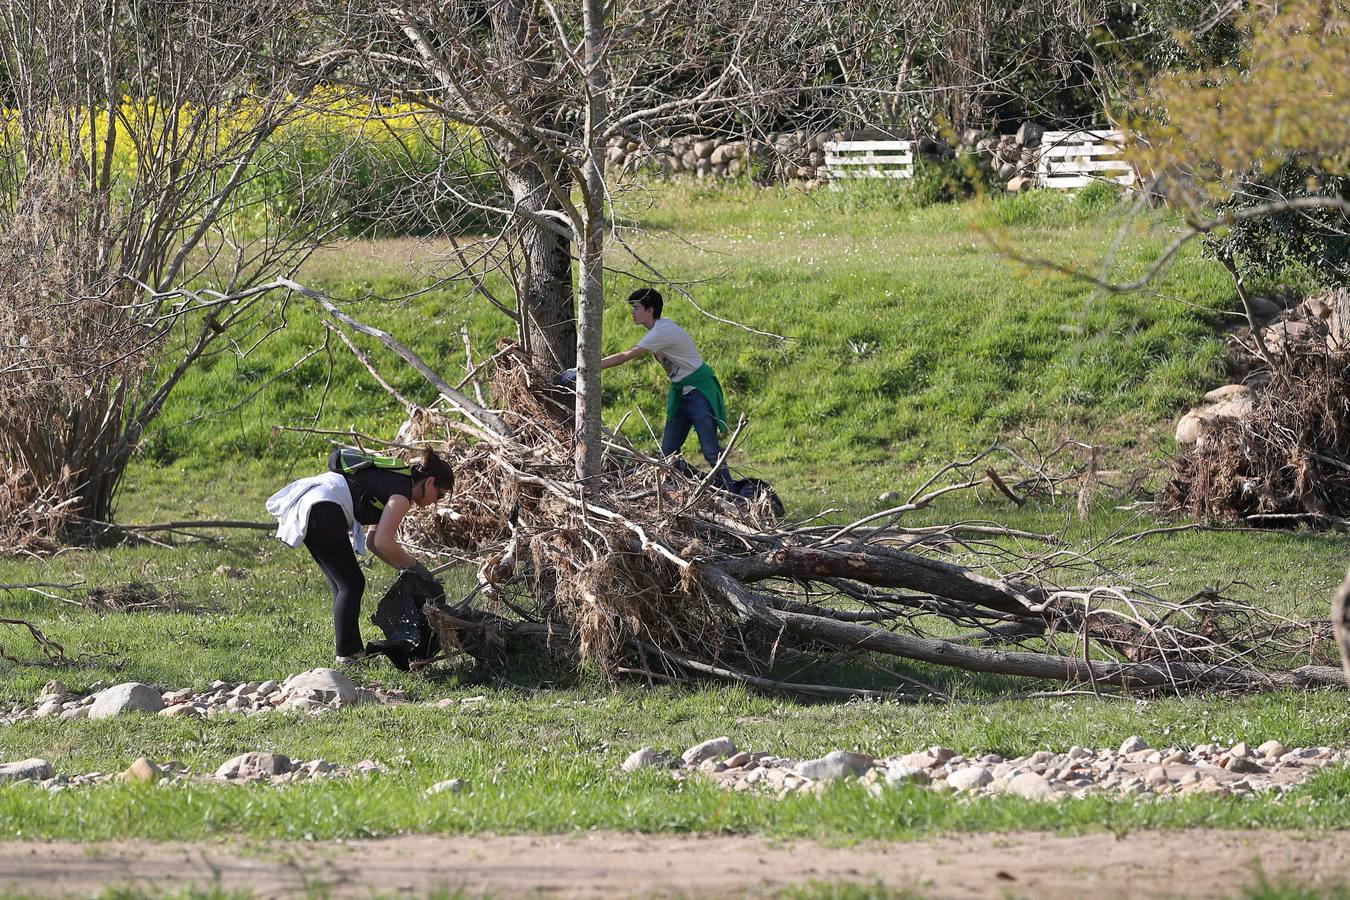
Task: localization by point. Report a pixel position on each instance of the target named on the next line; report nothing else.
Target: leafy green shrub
(946, 181)
(1098, 197)
(1031, 209)
(1291, 243)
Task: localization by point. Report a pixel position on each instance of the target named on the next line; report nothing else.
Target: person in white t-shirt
(695, 399)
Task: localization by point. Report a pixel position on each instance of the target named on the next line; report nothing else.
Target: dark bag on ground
(408, 636)
(753, 489)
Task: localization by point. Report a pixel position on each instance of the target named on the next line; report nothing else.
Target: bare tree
(134, 150)
(550, 86)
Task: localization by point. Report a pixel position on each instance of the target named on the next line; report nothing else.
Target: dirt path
(1183, 863)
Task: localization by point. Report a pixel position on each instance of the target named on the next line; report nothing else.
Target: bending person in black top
(313, 510)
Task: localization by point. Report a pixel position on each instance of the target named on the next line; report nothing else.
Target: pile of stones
(247, 768)
(314, 691)
(1134, 769)
(1011, 158)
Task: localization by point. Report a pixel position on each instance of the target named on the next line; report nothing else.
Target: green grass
(910, 337)
(911, 341)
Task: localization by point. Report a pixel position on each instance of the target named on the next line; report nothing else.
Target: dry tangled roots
(646, 573)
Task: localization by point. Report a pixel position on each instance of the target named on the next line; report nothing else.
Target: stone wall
(783, 155)
(800, 155)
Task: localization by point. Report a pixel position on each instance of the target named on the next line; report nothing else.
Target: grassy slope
(910, 340)
(963, 347)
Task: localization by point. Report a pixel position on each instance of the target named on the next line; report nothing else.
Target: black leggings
(327, 540)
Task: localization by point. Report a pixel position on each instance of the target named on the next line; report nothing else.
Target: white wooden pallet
(869, 159)
(1068, 160)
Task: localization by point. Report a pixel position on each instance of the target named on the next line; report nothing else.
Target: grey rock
(130, 697)
(326, 686)
(1133, 744)
(645, 758)
(713, 749)
(1031, 786)
(1240, 749)
(33, 769)
(50, 708)
(834, 765)
(78, 712)
(970, 778)
(1156, 777)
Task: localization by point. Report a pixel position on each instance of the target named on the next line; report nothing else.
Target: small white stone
(1133, 744)
(969, 778)
(1030, 786)
(640, 759)
(450, 786)
(717, 747)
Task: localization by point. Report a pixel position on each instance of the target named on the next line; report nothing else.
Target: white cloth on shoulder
(291, 506)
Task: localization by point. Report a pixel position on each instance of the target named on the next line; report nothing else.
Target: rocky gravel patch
(247, 768)
(316, 691)
(1133, 769)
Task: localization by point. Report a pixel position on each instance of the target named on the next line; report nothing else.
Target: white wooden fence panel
(1072, 182)
(1074, 159)
(869, 159)
(832, 158)
(1062, 150)
(845, 174)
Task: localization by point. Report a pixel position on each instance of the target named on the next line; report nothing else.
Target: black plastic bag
(408, 636)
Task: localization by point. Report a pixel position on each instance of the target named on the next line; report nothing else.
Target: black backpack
(349, 462)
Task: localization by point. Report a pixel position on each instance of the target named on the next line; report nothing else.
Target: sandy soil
(1186, 864)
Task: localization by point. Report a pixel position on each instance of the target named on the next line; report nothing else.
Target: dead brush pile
(1288, 460)
(647, 573)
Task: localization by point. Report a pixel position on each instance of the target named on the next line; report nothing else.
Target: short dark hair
(438, 470)
(648, 297)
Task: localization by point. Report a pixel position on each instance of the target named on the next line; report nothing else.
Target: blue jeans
(695, 412)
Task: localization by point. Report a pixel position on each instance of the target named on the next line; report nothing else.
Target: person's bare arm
(384, 543)
(617, 359)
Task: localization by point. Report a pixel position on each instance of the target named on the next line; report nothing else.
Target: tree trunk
(548, 325)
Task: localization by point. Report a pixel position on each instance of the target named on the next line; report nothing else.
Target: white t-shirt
(673, 349)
